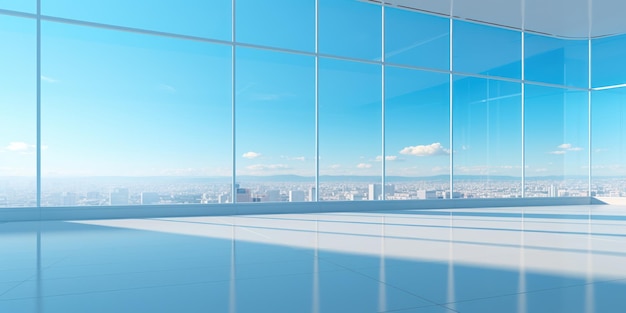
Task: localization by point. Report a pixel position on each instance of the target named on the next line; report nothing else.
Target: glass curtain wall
(18, 112)
(607, 117)
(175, 104)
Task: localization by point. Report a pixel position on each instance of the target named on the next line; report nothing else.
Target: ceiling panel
(561, 18)
(501, 12)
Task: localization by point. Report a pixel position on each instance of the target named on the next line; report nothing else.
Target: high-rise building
(312, 194)
(69, 198)
(150, 198)
(119, 196)
(244, 195)
(374, 192)
(272, 195)
(224, 198)
(426, 194)
(296, 195)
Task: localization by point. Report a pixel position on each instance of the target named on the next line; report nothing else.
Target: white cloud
(564, 148)
(48, 79)
(335, 166)
(426, 150)
(264, 167)
(301, 158)
(19, 146)
(364, 165)
(387, 158)
(251, 155)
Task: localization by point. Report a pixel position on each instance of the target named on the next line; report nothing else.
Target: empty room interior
(405, 156)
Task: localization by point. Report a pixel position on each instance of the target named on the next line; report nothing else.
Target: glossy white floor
(533, 259)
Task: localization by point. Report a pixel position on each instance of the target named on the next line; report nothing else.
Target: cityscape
(106, 191)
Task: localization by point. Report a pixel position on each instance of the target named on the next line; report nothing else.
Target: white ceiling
(562, 18)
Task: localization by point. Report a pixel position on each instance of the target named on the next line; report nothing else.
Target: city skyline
(126, 103)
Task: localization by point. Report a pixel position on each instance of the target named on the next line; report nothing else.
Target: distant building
(552, 191)
(455, 195)
(224, 198)
(296, 196)
(272, 195)
(119, 196)
(426, 194)
(69, 198)
(374, 192)
(390, 190)
(356, 197)
(244, 195)
(150, 198)
(312, 194)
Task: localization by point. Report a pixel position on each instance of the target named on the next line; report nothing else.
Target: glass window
(556, 134)
(608, 59)
(133, 119)
(609, 143)
(29, 6)
(417, 134)
(486, 50)
(417, 39)
(275, 121)
(350, 135)
(282, 23)
(18, 112)
(209, 19)
(556, 61)
(487, 132)
(350, 28)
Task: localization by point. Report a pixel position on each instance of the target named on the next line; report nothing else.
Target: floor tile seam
(162, 286)
(420, 307)
(157, 272)
(117, 290)
(82, 266)
(528, 292)
(425, 226)
(381, 282)
(12, 288)
(459, 227)
(176, 259)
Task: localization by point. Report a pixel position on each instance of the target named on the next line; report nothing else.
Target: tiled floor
(541, 259)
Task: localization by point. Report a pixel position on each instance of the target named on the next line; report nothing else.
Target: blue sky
(119, 103)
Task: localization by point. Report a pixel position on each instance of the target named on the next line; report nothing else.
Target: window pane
(417, 39)
(486, 50)
(556, 142)
(349, 130)
(285, 23)
(18, 112)
(29, 6)
(350, 28)
(275, 120)
(210, 19)
(608, 58)
(556, 61)
(131, 119)
(417, 133)
(609, 143)
(487, 117)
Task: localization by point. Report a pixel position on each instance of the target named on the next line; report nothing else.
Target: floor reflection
(525, 260)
